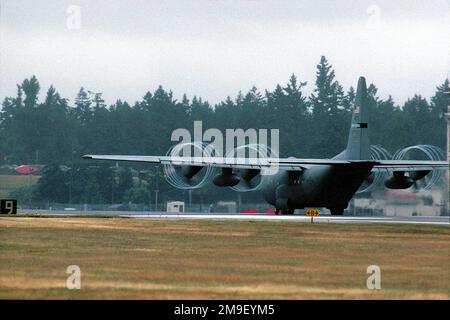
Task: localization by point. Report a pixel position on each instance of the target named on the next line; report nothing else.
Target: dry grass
(126, 259)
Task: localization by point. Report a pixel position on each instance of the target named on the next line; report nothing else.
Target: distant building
(402, 203)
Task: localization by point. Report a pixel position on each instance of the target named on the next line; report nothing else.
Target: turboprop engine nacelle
(226, 178)
(399, 181)
(402, 181)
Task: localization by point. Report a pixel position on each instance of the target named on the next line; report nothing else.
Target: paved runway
(431, 220)
(434, 220)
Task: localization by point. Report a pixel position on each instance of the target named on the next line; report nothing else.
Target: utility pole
(190, 199)
(71, 175)
(447, 117)
(156, 176)
(156, 200)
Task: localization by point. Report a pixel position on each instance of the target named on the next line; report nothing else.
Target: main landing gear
(337, 211)
(334, 211)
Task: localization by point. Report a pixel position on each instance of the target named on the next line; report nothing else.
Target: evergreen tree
(326, 103)
(439, 104)
(125, 182)
(27, 129)
(52, 184)
(328, 94)
(55, 131)
(416, 120)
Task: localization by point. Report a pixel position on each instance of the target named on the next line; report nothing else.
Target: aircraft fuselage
(329, 186)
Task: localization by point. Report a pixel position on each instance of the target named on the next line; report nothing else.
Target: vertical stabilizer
(358, 145)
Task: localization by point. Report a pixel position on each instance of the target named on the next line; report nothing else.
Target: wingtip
(86, 156)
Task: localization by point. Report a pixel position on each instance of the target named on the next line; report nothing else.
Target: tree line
(55, 131)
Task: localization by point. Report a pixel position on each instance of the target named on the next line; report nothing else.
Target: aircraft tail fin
(358, 145)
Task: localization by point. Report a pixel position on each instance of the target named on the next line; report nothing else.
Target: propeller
(376, 153)
(423, 180)
(251, 178)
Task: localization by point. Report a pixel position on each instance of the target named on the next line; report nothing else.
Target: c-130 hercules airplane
(299, 183)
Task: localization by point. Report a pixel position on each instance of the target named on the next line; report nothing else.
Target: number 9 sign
(8, 206)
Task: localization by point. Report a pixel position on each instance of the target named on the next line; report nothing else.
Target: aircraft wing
(409, 165)
(295, 164)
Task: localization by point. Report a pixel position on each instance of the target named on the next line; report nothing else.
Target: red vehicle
(27, 169)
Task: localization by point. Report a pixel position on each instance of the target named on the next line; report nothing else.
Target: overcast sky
(214, 48)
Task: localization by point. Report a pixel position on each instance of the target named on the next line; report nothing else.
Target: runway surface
(434, 220)
(430, 220)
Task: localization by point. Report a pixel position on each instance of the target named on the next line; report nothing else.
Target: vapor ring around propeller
(261, 151)
(433, 153)
(176, 178)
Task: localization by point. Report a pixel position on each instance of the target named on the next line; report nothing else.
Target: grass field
(198, 259)
(10, 182)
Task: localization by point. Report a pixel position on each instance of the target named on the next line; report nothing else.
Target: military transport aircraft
(300, 183)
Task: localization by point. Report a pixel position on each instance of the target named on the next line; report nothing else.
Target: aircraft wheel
(288, 211)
